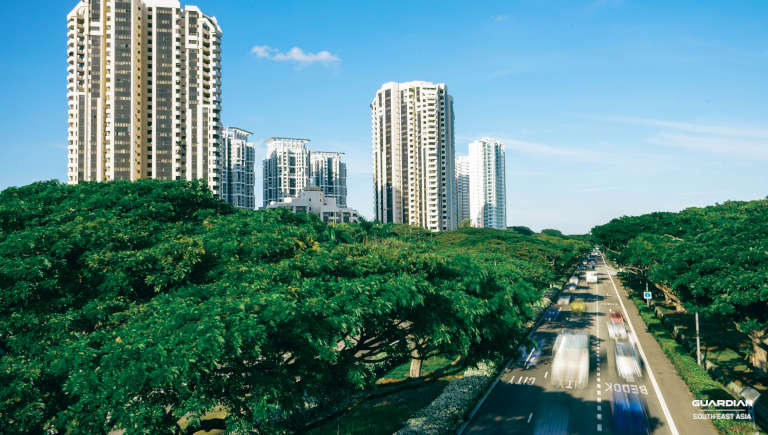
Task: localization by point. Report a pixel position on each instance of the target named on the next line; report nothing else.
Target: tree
(131, 305)
(715, 259)
(522, 230)
(550, 232)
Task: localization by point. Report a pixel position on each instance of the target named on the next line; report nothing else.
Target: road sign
(647, 295)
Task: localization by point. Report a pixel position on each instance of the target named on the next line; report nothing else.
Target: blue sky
(607, 108)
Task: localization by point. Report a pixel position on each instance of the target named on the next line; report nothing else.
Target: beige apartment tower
(144, 91)
(413, 155)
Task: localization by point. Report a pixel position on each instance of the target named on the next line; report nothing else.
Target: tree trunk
(415, 371)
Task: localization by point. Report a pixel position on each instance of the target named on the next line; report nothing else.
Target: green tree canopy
(130, 305)
(714, 258)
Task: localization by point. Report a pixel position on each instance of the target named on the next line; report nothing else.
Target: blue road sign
(647, 295)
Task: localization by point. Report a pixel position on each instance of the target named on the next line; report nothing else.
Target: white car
(570, 368)
(574, 280)
(627, 361)
(591, 277)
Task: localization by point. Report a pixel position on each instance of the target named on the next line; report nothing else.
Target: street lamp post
(698, 340)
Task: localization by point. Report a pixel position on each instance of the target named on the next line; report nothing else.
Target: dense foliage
(715, 259)
(130, 305)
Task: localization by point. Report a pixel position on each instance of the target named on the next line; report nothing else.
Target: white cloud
(734, 141)
(263, 50)
(549, 150)
(295, 54)
(688, 127)
(713, 144)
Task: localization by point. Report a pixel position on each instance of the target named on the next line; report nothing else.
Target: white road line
(599, 416)
(599, 427)
(530, 416)
(546, 374)
(672, 427)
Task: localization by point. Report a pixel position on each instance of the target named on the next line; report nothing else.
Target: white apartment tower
(413, 155)
(487, 184)
(329, 173)
(462, 188)
(144, 91)
(286, 168)
(238, 169)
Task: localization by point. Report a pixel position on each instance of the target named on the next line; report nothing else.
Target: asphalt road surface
(525, 401)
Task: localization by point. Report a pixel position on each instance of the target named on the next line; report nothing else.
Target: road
(525, 402)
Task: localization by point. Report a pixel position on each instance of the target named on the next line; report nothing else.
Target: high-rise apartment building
(290, 167)
(462, 188)
(286, 168)
(144, 91)
(238, 172)
(329, 172)
(487, 184)
(413, 155)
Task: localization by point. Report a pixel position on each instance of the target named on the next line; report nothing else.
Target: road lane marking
(546, 374)
(530, 416)
(599, 427)
(599, 416)
(664, 408)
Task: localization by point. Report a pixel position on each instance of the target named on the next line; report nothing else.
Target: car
(628, 365)
(552, 314)
(617, 329)
(570, 367)
(564, 299)
(630, 413)
(571, 286)
(574, 280)
(578, 307)
(553, 419)
(592, 277)
(530, 358)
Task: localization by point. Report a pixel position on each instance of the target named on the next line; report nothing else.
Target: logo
(721, 403)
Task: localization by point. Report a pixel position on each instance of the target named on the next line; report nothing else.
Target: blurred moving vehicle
(578, 307)
(630, 413)
(591, 277)
(628, 363)
(552, 314)
(533, 355)
(564, 299)
(574, 280)
(571, 286)
(570, 368)
(617, 329)
(552, 420)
